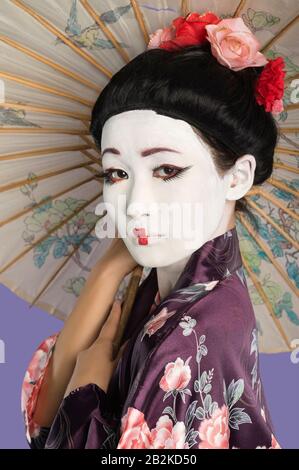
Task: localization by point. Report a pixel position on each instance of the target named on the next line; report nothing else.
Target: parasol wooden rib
(105, 30)
(279, 35)
(239, 8)
(283, 166)
(266, 301)
(44, 201)
(279, 204)
(256, 237)
(18, 184)
(283, 186)
(140, 20)
(49, 232)
(63, 37)
(41, 152)
(65, 261)
(293, 152)
(41, 130)
(49, 62)
(45, 88)
(282, 232)
(42, 109)
(127, 305)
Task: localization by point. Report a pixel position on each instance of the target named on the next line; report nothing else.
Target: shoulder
(226, 310)
(223, 321)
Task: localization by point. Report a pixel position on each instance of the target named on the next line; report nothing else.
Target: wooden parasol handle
(127, 305)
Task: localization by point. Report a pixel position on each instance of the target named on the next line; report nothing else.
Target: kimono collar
(214, 260)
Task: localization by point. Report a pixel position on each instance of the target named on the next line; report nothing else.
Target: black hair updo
(190, 84)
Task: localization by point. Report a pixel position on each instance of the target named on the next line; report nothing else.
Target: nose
(139, 201)
(137, 210)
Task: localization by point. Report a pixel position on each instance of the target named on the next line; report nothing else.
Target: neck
(168, 275)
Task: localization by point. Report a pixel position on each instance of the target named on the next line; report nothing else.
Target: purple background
(22, 329)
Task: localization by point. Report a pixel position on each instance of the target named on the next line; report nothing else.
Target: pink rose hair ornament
(233, 45)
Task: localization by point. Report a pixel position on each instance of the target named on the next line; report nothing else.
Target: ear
(242, 176)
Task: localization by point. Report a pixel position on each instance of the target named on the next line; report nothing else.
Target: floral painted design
(10, 116)
(258, 20)
(46, 217)
(91, 37)
(74, 285)
(49, 214)
(282, 301)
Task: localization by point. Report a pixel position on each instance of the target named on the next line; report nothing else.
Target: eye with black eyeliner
(107, 175)
(178, 171)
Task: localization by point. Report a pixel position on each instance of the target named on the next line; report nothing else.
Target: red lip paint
(142, 237)
(142, 240)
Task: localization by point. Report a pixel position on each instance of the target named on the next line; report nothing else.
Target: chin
(148, 256)
(157, 255)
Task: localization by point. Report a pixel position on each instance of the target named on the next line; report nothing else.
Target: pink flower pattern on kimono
(156, 322)
(168, 436)
(177, 375)
(274, 443)
(214, 432)
(137, 435)
(32, 383)
(194, 394)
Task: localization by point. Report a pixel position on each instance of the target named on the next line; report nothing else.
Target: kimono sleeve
(82, 420)
(32, 382)
(202, 387)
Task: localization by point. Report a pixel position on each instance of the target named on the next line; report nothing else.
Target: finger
(110, 327)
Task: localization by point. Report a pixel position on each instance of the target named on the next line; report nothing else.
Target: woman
(176, 129)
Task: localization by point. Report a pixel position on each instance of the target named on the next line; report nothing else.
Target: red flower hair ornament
(233, 45)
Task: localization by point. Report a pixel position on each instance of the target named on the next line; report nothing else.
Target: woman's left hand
(96, 364)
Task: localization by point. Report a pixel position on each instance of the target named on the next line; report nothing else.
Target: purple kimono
(188, 378)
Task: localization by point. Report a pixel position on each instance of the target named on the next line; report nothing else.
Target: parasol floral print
(281, 300)
(87, 35)
(48, 215)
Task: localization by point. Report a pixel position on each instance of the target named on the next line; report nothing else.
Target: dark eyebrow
(143, 153)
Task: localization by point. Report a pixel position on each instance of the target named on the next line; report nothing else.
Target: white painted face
(140, 190)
